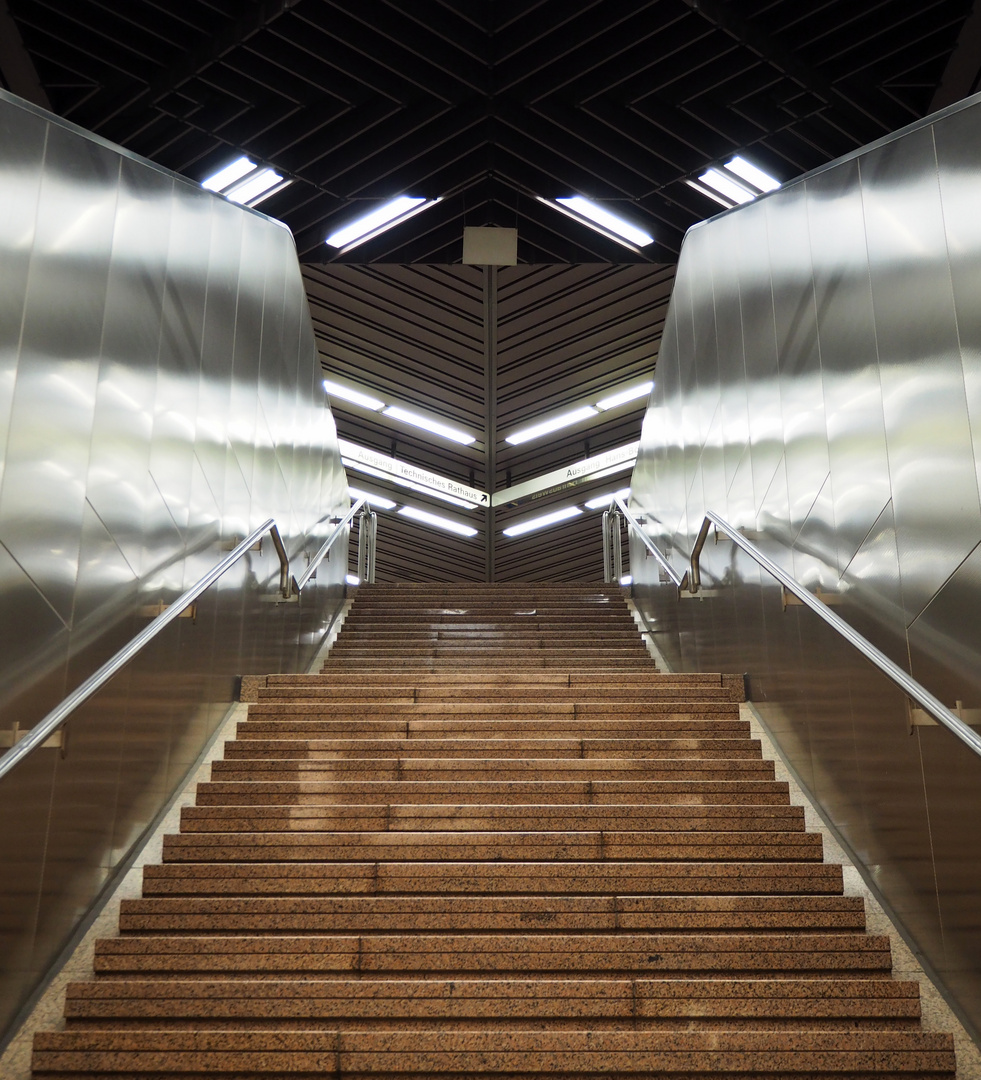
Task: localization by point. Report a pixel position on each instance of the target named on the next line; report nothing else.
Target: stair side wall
(160, 397)
(819, 387)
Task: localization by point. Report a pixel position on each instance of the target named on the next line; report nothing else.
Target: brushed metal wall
(819, 386)
(160, 396)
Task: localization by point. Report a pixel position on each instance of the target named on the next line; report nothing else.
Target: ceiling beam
(883, 112)
(961, 75)
(257, 16)
(16, 66)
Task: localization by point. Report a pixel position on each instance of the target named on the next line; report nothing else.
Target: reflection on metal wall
(160, 397)
(819, 386)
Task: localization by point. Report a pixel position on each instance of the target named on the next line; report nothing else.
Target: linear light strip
(599, 215)
(565, 514)
(396, 412)
(425, 518)
(379, 220)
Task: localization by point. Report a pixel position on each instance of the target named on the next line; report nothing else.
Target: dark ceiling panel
(489, 106)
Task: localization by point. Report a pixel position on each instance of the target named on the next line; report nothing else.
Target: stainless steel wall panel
(54, 393)
(857, 380)
(955, 141)
(801, 389)
(752, 267)
(24, 134)
(924, 403)
(846, 333)
(130, 417)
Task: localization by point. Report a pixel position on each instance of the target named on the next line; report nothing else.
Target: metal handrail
(649, 544)
(43, 730)
(298, 584)
(906, 683)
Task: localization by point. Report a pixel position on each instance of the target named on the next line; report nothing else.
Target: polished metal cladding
(819, 387)
(160, 397)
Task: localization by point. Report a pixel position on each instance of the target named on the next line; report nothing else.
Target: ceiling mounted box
(490, 247)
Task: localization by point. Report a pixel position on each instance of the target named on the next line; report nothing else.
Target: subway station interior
(338, 342)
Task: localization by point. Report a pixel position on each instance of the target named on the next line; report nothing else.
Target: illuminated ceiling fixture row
(738, 181)
(556, 517)
(379, 502)
(377, 221)
(244, 182)
(397, 412)
(575, 416)
(601, 220)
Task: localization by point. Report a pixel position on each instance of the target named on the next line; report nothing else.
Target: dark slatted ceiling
(487, 105)
(415, 335)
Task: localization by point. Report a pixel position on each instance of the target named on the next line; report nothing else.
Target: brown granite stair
(490, 839)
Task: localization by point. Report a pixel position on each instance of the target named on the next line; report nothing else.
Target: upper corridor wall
(819, 386)
(160, 397)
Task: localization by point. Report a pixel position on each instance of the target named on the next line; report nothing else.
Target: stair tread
(489, 838)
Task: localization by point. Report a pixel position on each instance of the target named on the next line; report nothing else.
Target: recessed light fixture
(605, 500)
(738, 181)
(396, 412)
(623, 396)
(230, 174)
(600, 219)
(437, 522)
(727, 186)
(352, 579)
(554, 518)
(242, 181)
(552, 424)
(373, 500)
(627, 579)
(378, 221)
(755, 176)
(356, 397)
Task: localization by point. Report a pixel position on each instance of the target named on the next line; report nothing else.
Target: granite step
(509, 1003)
(490, 839)
(508, 792)
(570, 1054)
(581, 914)
(642, 677)
(502, 769)
(323, 847)
(503, 878)
(365, 817)
(550, 725)
(262, 956)
(445, 748)
(478, 692)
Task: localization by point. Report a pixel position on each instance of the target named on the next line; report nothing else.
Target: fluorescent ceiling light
(605, 500)
(757, 177)
(356, 397)
(351, 579)
(437, 522)
(709, 193)
(624, 396)
(726, 186)
(377, 221)
(373, 500)
(255, 187)
(229, 175)
(547, 426)
(599, 218)
(541, 522)
(396, 412)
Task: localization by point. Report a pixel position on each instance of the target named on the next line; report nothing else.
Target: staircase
(491, 840)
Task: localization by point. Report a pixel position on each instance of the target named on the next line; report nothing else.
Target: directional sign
(569, 476)
(401, 472)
